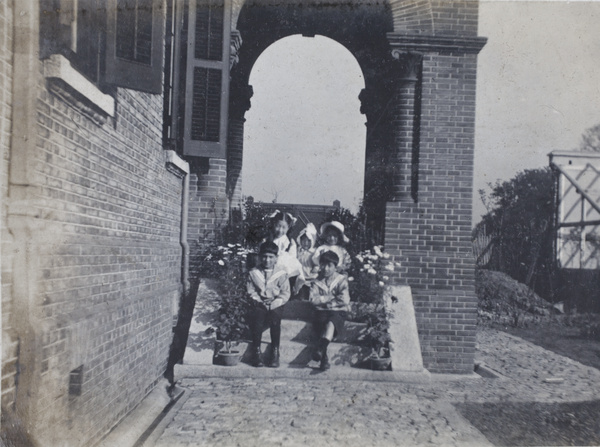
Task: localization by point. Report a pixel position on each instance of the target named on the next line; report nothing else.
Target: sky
(314, 114)
(538, 89)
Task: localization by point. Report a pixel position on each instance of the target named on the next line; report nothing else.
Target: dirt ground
(539, 423)
(561, 335)
(535, 423)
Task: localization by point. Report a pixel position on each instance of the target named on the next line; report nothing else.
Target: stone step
(298, 342)
(298, 338)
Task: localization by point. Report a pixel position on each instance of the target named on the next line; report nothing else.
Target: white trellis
(578, 209)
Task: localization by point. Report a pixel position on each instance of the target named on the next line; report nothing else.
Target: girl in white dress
(307, 240)
(332, 234)
(281, 225)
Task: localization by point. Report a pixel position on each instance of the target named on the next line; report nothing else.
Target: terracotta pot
(228, 358)
(380, 363)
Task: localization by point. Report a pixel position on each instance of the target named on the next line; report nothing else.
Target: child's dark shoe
(256, 358)
(325, 363)
(321, 349)
(316, 355)
(274, 363)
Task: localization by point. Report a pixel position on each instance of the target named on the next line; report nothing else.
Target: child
(280, 227)
(333, 235)
(329, 294)
(269, 289)
(306, 243)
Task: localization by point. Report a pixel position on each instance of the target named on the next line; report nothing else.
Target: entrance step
(347, 354)
(298, 342)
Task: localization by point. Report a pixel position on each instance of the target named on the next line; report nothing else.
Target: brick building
(121, 130)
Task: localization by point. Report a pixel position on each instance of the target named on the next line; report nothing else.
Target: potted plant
(230, 327)
(227, 265)
(367, 287)
(378, 337)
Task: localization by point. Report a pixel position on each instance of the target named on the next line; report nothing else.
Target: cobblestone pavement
(220, 411)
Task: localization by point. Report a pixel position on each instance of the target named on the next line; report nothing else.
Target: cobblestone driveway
(220, 411)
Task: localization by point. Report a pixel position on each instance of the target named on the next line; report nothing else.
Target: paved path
(288, 411)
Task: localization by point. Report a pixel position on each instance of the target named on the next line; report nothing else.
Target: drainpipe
(182, 167)
(185, 262)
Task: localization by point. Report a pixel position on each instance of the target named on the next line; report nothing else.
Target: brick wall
(235, 146)
(412, 17)
(107, 262)
(455, 18)
(432, 237)
(435, 17)
(9, 344)
(209, 207)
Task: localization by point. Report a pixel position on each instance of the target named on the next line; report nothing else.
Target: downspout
(185, 247)
(182, 168)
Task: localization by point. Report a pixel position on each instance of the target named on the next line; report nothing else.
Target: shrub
(368, 280)
(227, 264)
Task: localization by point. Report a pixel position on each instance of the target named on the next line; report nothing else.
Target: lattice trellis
(578, 210)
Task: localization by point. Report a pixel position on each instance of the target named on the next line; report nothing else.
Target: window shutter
(207, 78)
(135, 44)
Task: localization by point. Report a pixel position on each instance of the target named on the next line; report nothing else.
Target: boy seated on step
(269, 289)
(329, 294)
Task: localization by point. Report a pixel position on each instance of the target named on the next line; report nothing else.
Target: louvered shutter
(207, 78)
(135, 44)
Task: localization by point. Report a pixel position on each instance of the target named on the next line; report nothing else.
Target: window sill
(58, 67)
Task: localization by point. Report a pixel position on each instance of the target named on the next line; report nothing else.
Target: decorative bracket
(235, 45)
(410, 64)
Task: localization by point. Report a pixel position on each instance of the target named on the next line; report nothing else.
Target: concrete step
(347, 352)
(298, 341)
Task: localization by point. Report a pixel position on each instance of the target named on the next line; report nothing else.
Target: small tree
(520, 220)
(590, 140)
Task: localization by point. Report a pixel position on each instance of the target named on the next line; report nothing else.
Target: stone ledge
(141, 421)
(441, 44)
(58, 67)
(176, 164)
(247, 371)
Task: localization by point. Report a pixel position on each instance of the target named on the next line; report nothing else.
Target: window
(203, 94)
(111, 42)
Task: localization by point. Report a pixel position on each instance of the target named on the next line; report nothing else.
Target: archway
(419, 61)
(307, 128)
(361, 29)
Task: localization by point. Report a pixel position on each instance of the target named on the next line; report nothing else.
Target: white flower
(381, 283)
(385, 278)
(209, 257)
(389, 267)
(377, 250)
(220, 262)
(373, 257)
(386, 256)
(372, 271)
(350, 278)
(230, 245)
(360, 258)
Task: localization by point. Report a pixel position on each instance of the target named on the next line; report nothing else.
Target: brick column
(403, 122)
(239, 104)
(378, 173)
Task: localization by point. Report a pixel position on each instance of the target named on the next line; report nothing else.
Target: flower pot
(228, 358)
(380, 363)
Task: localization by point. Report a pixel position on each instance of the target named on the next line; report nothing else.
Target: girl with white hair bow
(281, 225)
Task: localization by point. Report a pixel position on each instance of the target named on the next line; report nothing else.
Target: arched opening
(304, 136)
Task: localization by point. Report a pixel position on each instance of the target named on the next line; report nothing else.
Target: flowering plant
(227, 264)
(369, 277)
